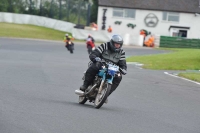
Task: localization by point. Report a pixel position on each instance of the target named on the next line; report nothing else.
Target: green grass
(192, 76)
(30, 31)
(179, 59)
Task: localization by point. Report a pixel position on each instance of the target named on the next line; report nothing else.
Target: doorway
(182, 33)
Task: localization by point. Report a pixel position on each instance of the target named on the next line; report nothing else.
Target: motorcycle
(90, 46)
(100, 88)
(70, 46)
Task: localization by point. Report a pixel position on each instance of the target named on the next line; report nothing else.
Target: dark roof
(178, 27)
(187, 6)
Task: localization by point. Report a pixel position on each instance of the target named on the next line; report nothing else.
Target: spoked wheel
(82, 99)
(101, 98)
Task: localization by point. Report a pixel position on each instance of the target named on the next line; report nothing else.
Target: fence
(179, 42)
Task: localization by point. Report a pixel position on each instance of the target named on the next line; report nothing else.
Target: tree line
(76, 11)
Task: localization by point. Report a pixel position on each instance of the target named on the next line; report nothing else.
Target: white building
(160, 17)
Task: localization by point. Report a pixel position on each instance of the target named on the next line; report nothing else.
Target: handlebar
(122, 71)
(105, 63)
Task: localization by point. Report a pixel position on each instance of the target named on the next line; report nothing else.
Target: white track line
(181, 78)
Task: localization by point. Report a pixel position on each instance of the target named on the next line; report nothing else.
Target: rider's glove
(97, 59)
(123, 71)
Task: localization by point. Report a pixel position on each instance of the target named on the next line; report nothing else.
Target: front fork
(102, 82)
(101, 86)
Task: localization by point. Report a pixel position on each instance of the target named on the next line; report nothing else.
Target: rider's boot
(86, 83)
(84, 86)
(89, 77)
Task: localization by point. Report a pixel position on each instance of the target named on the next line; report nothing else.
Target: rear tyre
(101, 98)
(82, 100)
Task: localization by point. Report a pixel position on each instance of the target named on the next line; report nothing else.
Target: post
(88, 14)
(79, 6)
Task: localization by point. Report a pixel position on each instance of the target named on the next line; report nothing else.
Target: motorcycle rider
(90, 43)
(68, 38)
(89, 36)
(110, 51)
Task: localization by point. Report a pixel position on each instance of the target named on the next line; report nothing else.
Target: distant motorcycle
(90, 45)
(100, 88)
(70, 46)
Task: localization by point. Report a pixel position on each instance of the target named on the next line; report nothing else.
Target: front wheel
(89, 49)
(101, 98)
(71, 51)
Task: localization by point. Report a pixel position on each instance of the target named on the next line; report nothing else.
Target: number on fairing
(112, 69)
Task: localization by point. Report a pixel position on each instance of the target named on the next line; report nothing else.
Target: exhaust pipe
(79, 92)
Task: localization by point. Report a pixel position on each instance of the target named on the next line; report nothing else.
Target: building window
(171, 16)
(125, 13)
(118, 12)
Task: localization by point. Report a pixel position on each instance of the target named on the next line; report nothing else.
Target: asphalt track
(37, 83)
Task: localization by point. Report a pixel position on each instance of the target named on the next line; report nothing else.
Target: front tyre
(101, 98)
(89, 49)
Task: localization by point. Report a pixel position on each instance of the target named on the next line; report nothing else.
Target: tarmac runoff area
(175, 75)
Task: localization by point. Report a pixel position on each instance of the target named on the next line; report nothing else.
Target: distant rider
(90, 43)
(67, 38)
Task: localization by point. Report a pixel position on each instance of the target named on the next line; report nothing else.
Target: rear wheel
(101, 98)
(82, 100)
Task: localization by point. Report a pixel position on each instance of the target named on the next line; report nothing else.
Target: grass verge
(192, 76)
(30, 31)
(179, 59)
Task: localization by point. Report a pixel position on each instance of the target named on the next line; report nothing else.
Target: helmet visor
(117, 45)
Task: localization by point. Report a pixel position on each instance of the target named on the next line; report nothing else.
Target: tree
(94, 12)
(60, 9)
(74, 11)
(4, 5)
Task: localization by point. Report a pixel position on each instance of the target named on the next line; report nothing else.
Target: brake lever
(122, 71)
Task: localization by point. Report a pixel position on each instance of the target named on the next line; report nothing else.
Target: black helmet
(116, 39)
